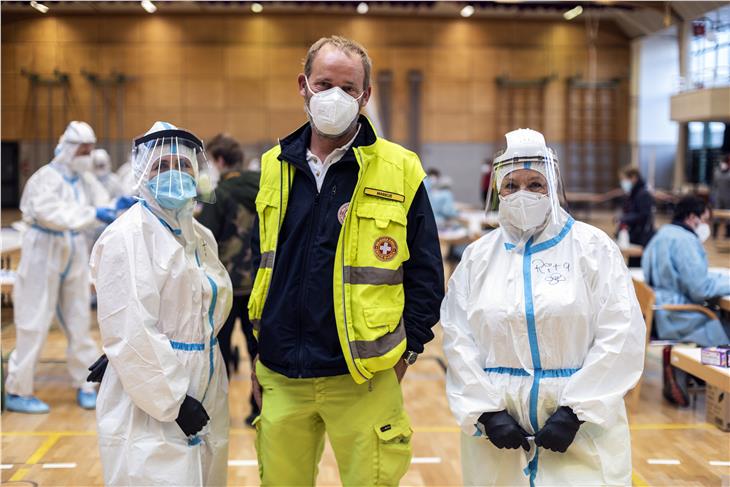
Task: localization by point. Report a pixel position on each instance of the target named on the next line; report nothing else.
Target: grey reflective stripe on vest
(267, 260)
(377, 348)
(373, 275)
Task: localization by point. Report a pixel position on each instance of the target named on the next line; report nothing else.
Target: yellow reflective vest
(368, 272)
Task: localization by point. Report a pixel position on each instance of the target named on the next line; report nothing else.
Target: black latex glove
(98, 369)
(504, 431)
(559, 430)
(192, 416)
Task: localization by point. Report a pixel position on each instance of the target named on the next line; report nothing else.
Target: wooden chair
(647, 299)
(645, 296)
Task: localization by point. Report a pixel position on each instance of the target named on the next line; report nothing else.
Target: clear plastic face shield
(173, 165)
(527, 170)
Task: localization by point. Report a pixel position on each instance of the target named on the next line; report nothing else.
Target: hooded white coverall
(528, 330)
(105, 175)
(162, 297)
(53, 273)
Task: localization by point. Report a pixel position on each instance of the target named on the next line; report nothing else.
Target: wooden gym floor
(670, 447)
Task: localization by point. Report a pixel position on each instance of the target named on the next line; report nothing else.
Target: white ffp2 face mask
(703, 231)
(81, 164)
(524, 209)
(332, 111)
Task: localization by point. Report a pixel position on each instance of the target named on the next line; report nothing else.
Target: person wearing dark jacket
(349, 283)
(231, 219)
(638, 211)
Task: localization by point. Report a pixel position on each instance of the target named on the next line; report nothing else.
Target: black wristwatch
(410, 357)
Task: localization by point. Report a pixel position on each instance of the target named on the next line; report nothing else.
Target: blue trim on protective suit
(211, 310)
(213, 340)
(555, 240)
(64, 274)
(55, 233)
(531, 469)
(175, 231)
(187, 347)
(543, 373)
(69, 179)
(508, 371)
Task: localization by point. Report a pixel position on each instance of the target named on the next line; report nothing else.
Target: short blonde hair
(345, 45)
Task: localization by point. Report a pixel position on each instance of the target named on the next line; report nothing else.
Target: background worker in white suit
(60, 201)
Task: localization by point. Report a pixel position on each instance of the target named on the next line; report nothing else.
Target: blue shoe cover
(25, 404)
(86, 399)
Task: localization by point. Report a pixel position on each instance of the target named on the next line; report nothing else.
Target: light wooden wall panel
(237, 73)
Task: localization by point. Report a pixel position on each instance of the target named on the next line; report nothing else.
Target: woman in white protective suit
(162, 410)
(544, 337)
(60, 201)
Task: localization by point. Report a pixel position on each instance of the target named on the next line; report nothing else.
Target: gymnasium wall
(237, 73)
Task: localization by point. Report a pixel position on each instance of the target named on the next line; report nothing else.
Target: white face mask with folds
(80, 164)
(332, 111)
(703, 231)
(524, 209)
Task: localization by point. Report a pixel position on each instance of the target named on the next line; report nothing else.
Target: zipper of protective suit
(195, 439)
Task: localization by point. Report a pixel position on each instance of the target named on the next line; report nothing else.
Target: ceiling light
(39, 6)
(573, 13)
(149, 7)
(257, 8)
(362, 8)
(467, 11)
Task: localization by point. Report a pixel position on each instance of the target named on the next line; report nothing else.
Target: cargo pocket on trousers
(393, 451)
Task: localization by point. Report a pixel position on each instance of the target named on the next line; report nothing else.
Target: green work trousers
(367, 426)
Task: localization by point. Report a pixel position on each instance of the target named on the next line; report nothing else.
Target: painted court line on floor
(5, 466)
(637, 480)
(59, 465)
(242, 463)
(719, 463)
(662, 461)
(418, 429)
(35, 457)
(422, 460)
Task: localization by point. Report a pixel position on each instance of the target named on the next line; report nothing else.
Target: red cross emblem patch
(385, 249)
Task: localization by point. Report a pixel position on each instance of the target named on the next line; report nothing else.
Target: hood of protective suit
(102, 163)
(76, 133)
(526, 149)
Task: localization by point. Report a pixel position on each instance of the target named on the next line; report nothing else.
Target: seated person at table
(442, 198)
(675, 266)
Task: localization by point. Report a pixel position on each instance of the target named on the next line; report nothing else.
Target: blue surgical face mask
(168, 191)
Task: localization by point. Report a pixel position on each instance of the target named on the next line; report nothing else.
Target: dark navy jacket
(298, 333)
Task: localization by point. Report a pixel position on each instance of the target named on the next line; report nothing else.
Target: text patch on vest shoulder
(385, 249)
(386, 195)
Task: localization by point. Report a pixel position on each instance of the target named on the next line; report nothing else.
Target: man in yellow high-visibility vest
(349, 283)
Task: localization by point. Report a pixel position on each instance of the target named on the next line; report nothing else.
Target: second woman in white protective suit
(543, 336)
(162, 411)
